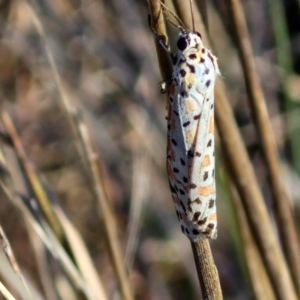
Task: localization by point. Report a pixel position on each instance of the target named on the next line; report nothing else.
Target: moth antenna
(181, 26)
(192, 15)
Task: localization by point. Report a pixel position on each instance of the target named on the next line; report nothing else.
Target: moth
(190, 140)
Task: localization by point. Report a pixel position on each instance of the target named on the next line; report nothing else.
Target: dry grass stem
(202, 8)
(283, 210)
(158, 23)
(140, 194)
(31, 175)
(104, 210)
(207, 271)
(82, 258)
(4, 291)
(42, 263)
(11, 258)
(260, 280)
(85, 202)
(49, 240)
(90, 156)
(247, 186)
(250, 192)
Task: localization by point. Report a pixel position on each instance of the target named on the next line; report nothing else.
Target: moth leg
(161, 41)
(165, 86)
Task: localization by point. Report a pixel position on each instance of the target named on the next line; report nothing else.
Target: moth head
(188, 40)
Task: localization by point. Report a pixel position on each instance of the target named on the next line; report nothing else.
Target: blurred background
(99, 58)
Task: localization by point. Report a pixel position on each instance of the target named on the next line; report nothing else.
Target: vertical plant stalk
(206, 269)
(202, 6)
(158, 23)
(4, 291)
(109, 222)
(88, 152)
(246, 183)
(207, 272)
(255, 208)
(11, 258)
(283, 211)
(262, 286)
(285, 64)
(34, 182)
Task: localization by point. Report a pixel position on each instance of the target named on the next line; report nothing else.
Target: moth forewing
(190, 146)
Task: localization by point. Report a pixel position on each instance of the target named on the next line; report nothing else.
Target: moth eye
(198, 34)
(182, 43)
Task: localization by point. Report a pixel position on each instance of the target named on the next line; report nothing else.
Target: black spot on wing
(201, 222)
(211, 203)
(183, 94)
(182, 72)
(192, 56)
(191, 67)
(196, 216)
(181, 192)
(195, 232)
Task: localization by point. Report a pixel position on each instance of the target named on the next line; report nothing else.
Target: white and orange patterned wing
(190, 155)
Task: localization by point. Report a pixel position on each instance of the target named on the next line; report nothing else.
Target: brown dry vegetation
(83, 139)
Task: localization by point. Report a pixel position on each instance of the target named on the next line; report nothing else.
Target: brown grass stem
(5, 292)
(91, 157)
(260, 280)
(46, 235)
(12, 259)
(158, 24)
(139, 195)
(31, 175)
(249, 191)
(286, 226)
(88, 275)
(109, 222)
(207, 272)
(246, 183)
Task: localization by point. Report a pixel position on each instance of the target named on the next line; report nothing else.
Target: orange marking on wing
(206, 161)
(211, 125)
(190, 78)
(172, 89)
(172, 153)
(207, 190)
(169, 112)
(190, 136)
(213, 217)
(170, 149)
(190, 106)
(184, 218)
(175, 199)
